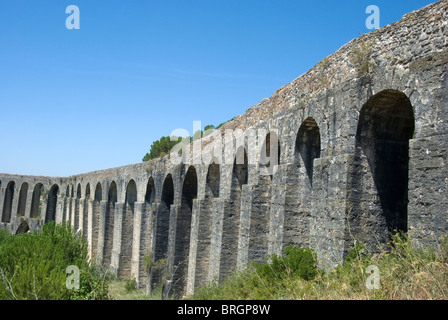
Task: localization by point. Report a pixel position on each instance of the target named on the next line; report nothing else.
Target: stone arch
(36, 201)
(96, 215)
(109, 221)
(307, 145)
(150, 192)
(299, 181)
(85, 211)
(77, 205)
(269, 159)
(7, 204)
(183, 229)
(71, 205)
(22, 199)
(163, 218)
(232, 211)
(240, 171)
(50, 215)
(23, 228)
(98, 192)
(78, 191)
(162, 225)
(271, 144)
(127, 231)
(205, 217)
(386, 124)
(66, 210)
(213, 180)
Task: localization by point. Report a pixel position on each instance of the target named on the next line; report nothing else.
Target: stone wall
(361, 152)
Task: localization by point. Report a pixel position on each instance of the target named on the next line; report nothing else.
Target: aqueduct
(362, 151)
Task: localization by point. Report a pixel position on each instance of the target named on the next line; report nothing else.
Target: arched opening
(96, 213)
(261, 199)
(36, 201)
(386, 124)
(299, 181)
(231, 220)
(85, 211)
(269, 154)
(77, 205)
(23, 228)
(98, 192)
(150, 192)
(71, 206)
(127, 230)
(7, 204)
(22, 199)
(240, 171)
(162, 226)
(205, 214)
(183, 229)
(51, 203)
(66, 204)
(112, 197)
(308, 145)
(213, 180)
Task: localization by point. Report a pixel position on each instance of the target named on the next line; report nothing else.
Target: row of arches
(385, 126)
(35, 205)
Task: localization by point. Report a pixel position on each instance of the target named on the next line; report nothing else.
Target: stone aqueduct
(362, 146)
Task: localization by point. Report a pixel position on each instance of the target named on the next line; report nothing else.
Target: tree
(161, 147)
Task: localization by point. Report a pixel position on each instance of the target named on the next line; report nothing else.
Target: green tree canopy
(161, 147)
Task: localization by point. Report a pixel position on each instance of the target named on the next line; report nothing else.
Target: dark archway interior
(163, 219)
(183, 229)
(23, 228)
(98, 193)
(240, 168)
(150, 191)
(308, 145)
(386, 125)
(51, 203)
(213, 179)
(270, 147)
(22, 199)
(112, 198)
(7, 205)
(35, 202)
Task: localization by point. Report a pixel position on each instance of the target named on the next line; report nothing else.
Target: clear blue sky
(74, 101)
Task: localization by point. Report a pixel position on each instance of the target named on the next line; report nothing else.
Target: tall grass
(405, 272)
(33, 266)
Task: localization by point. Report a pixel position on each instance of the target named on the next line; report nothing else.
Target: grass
(405, 273)
(123, 290)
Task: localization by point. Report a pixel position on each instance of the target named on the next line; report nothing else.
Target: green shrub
(405, 271)
(33, 266)
(298, 262)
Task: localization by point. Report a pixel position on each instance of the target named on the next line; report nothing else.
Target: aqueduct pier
(362, 151)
